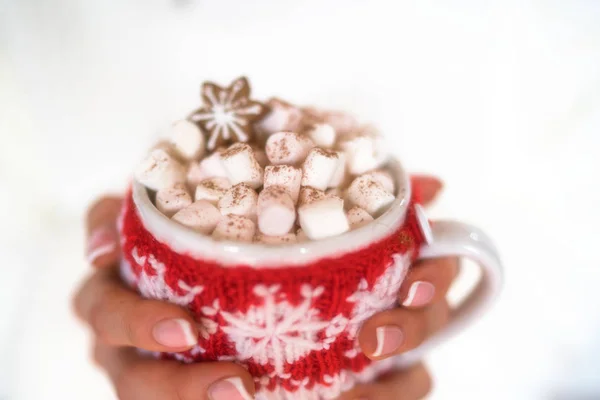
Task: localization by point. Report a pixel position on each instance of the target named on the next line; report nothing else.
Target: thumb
(102, 249)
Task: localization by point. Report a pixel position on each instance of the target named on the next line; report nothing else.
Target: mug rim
(184, 240)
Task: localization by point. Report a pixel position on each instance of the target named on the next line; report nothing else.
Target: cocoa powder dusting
(234, 149)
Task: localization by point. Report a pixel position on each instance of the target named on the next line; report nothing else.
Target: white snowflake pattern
(276, 331)
(155, 287)
(228, 113)
(207, 326)
(381, 297)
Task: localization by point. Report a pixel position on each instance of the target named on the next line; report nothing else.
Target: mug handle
(456, 239)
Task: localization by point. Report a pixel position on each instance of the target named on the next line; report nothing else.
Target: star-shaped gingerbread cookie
(228, 114)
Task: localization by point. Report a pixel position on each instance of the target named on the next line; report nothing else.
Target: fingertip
(430, 187)
(428, 281)
(103, 246)
(175, 333)
(232, 387)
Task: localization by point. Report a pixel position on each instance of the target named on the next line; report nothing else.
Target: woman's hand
(122, 320)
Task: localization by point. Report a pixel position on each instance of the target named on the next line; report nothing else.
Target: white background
(499, 98)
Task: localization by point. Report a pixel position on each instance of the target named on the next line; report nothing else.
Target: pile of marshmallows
(308, 175)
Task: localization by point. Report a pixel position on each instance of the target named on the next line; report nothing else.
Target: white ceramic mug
(291, 313)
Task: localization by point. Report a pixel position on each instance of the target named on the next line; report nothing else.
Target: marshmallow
(281, 117)
(209, 167)
(323, 135)
(201, 216)
(323, 218)
(187, 139)
(285, 176)
(241, 165)
(241, 200)
(309, 194)
(172, 199)
(364, 152)
(159, 170)
(235, 227)
(358, 217)
(339, 175)
(212, 189)
(287, 148)
(319, 167)
(384, 177)
(283, 239)
(276, 212)
(369, 194)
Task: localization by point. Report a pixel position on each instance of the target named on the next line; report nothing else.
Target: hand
(121, 319)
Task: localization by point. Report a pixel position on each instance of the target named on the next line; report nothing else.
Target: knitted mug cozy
(294, 328)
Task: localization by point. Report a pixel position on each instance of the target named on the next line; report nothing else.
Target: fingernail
(229, 389)
(174, 333)
(419, 294)
(102, 241)
(389, 339)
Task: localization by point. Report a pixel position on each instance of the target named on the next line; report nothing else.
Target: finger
(430, 187)
(138, 378)
(428, 281)
(119, 316)
(102, 236)
(410, 384)
(398, 330)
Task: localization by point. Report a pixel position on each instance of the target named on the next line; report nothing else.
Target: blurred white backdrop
(499, 98)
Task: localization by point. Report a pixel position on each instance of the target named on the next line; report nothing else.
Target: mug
(290, 314)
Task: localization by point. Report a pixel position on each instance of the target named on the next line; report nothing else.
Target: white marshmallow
(369, 194)
(287, 148)
(187, 139)
(236, 228)
(241, 165)
(358, 217)
(285, 176)
(212, 189)
(309, 194)
(283, 239)
(159, 170)
(209, 167)
(201, 216)
(323, 218)
(339, 175)
(240, 199)
(384, 177)
(172, 199)
(281, 117)
(323, 135)
(276, 212)
(364, 152)
(319, 167)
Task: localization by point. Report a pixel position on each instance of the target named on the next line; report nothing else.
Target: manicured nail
(102, 241)
(389, 339)
(419, 294)
(229, 389)
(174, 333)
